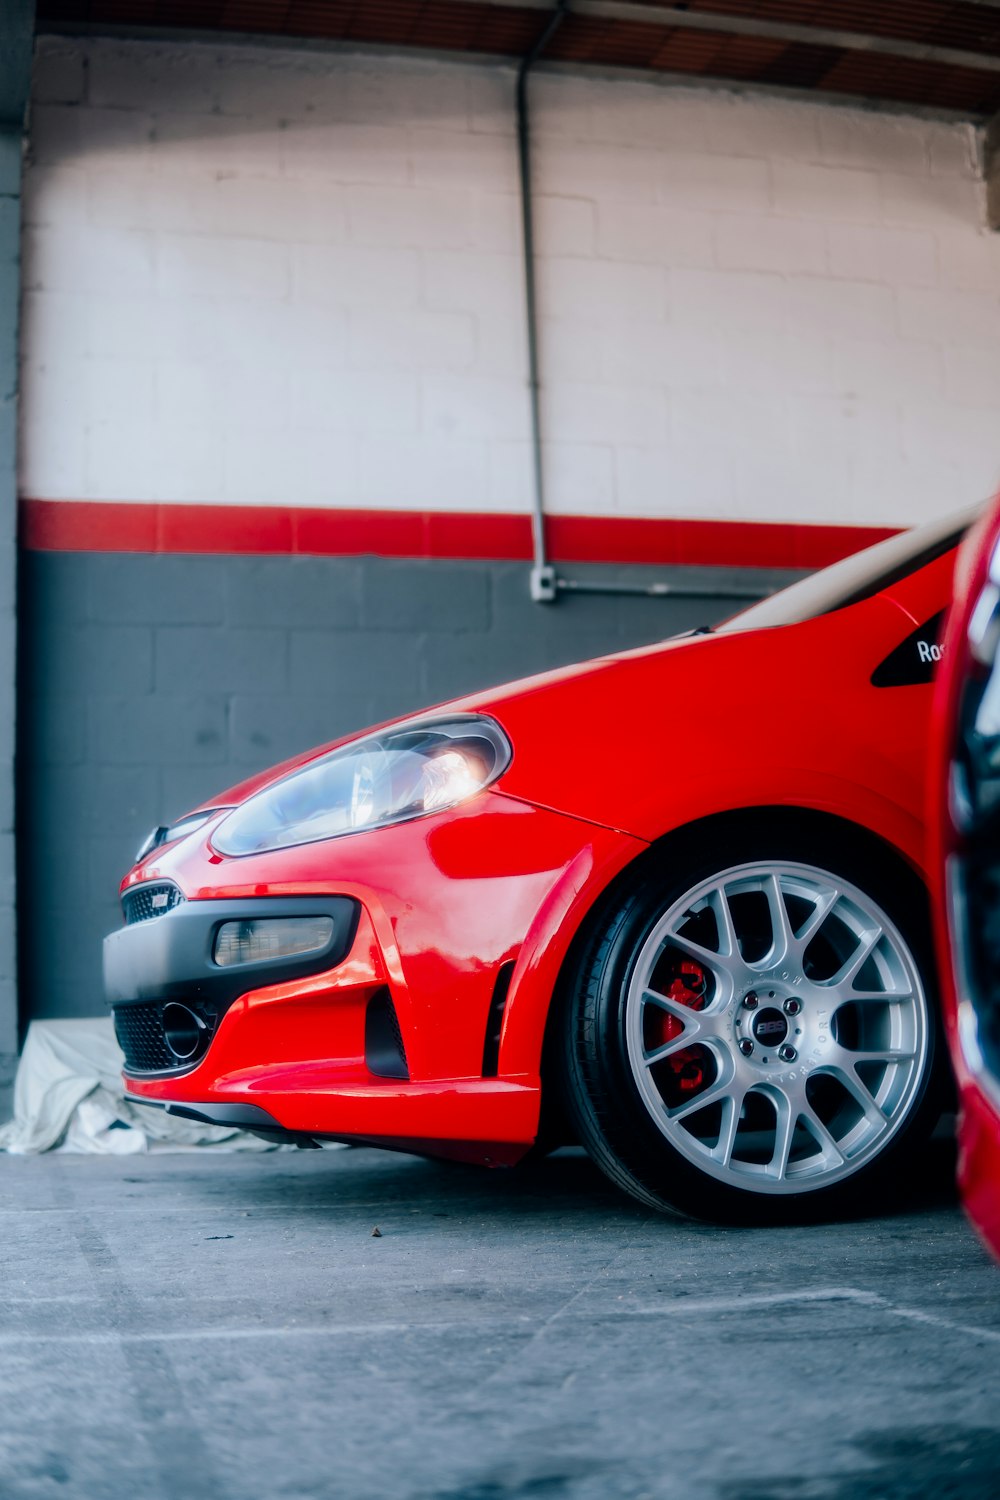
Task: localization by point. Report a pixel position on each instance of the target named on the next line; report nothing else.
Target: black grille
(145, 901)
(139, 1029)
(140, 1033)
(385, 1054)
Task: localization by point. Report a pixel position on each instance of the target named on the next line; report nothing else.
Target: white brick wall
(293, 278)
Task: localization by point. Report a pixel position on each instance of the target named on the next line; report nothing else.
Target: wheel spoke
(658, 1054)
(704, 956)
(867, 943)
(847, 1058)
(782, 937)
(787, 1117)
(731, 1108)
(689, 1020)
(728, 943)
(865, 1101)
(819, 1132)
(885, 997)
(825, 903)
(718, 1090)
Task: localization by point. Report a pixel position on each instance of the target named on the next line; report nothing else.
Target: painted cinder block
(838, 194)
(435, 472)
(162, 80)
(896, 257)
(127, 589)
(762, 242)
(850, 138)
(485, 407)
(407, 595)
(191, 659)
(76, 134)
(60, 73)
(82, 661)
(93, 260)
(191, 266)
(321, 663)
(176, 727)
(272, 591)
(973, 375)
(428, 218)
(932, 202)
(657, 234)
(353, 277)
(948, 318)
(192, 206)
(270, 727)
(410, 339)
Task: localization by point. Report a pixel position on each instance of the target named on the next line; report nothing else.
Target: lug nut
(787, 1053)
(750, 1000)
(746, 1046)
(792, 1006)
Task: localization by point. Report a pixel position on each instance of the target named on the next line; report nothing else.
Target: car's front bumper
(450, 915)
(167, 964)
(979, 1161)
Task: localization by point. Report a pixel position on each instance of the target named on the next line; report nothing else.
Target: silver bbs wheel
(776, 1027)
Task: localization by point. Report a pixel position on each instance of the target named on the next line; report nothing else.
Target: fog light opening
(257, 941)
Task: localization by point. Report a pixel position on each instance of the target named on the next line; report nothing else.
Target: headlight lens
(167, 833)
(389, 778)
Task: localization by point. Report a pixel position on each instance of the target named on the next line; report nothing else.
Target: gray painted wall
(149, 683)
(10, 224)
(16, 36)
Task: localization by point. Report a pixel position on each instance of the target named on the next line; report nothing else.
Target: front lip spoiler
(233, 1116)
(230, 1117)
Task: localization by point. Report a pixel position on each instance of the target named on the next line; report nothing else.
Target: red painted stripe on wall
(112, 526)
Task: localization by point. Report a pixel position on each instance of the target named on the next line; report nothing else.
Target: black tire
(589, 1050)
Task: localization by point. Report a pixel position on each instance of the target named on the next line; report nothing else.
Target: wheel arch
(830, 828)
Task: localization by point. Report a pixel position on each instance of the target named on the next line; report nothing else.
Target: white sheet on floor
(68, 1096)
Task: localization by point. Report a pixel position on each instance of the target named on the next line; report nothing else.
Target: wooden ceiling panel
(917, 52)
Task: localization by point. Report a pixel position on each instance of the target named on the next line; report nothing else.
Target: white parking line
(677, 1307)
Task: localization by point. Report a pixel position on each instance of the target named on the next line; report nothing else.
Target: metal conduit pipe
(546, 584)
(543, 578)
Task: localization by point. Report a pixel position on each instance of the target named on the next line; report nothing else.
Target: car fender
(569, 903)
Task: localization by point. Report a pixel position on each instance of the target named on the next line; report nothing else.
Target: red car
(670, 901)
(965, 862)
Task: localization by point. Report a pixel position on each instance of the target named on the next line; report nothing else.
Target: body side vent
(494, 1021)
(385, 1055)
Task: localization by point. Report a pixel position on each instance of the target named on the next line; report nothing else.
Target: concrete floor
(221, 1326)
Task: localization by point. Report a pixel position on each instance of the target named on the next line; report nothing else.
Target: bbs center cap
(769, 1027)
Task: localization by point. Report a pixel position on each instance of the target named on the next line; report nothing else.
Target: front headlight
(394, 776)
(168, 833)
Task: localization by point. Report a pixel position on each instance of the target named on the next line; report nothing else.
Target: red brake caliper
(688, 986)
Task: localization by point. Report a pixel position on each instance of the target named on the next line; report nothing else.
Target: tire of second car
(749, 1028)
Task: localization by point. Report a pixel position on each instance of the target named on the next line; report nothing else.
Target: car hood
(540, 688)
(643, 740)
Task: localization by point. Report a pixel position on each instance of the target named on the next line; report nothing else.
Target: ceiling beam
(675, 18)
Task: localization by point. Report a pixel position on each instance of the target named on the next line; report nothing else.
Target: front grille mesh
(142, 1036)
(143, 902)
(139, 1029)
